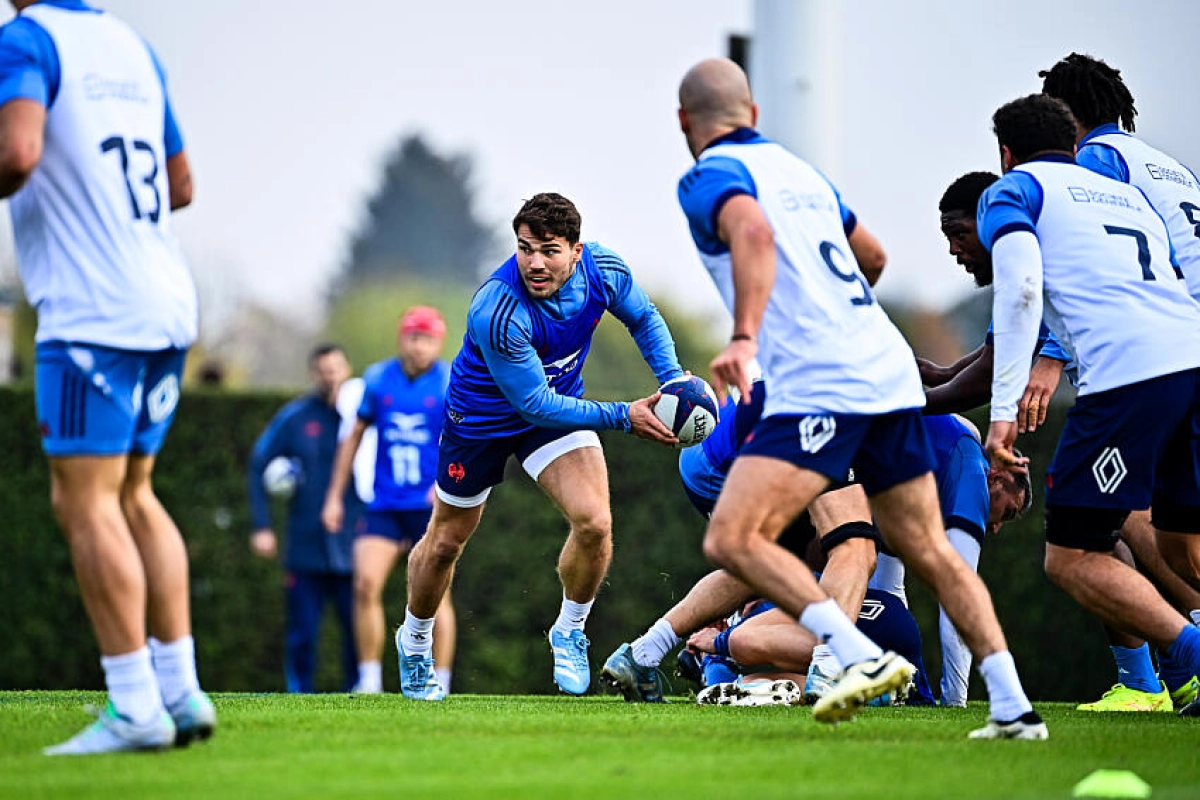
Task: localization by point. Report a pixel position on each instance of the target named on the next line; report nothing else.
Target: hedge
(506, 589)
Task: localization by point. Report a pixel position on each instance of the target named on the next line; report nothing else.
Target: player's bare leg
(1181, 551)
(851, 563)
(374, 559)
(578, 483)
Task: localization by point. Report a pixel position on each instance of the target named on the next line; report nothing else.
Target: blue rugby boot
(418, 681)
(195, 718)
(637, 683)
(114, 733)
(572, 672)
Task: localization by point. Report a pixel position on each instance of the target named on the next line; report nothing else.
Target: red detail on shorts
(457, 472)
(312, 429)
(1049, 480)
(44, 427)
(749, 438)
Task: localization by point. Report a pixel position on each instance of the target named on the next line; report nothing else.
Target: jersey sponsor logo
(456, 471)
(815, 201)
(871, 610)
(1109, 470)
(98, 87)
(454, 416)
(162, 399)
(1168, 174)
(556, 369)
(1082, 194)
(816, 432)
(407, 428)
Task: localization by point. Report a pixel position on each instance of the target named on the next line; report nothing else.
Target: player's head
(329, 367)
(1031, 126)
(714, 98)
(958, 205)
(1092, 90)
(1011, 496)
(547, 229)
(419, 338)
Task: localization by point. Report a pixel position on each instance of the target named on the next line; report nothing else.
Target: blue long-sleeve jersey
(306, 430)
(521, 363)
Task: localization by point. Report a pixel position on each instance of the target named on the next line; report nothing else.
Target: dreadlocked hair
(1092, 89)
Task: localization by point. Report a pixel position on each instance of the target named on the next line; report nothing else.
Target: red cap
(423, 319)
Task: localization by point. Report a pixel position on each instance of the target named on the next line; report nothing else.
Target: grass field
(328, 746)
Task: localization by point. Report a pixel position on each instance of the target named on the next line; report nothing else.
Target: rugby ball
(688, 406)
(281, 476)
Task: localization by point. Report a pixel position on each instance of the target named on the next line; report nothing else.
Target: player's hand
(263, 543)
(333, 514)
(644, 424)
(704, 640)
(931, 374)
(1001, 438)
(1043, 381)
(730, 369)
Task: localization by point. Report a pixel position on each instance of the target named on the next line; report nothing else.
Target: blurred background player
(318, 564)
(781, 248)
(403, 401)
(515, 390)
(93, 176)
(1098, 252)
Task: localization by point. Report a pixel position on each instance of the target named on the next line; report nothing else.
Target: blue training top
(30, 68)
(961, 474)
(521, 362)
(408, 414)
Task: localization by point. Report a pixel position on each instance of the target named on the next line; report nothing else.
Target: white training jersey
(825, 343)
(349, 398)
(1174, 193)
(1112, 296)
(92, 225)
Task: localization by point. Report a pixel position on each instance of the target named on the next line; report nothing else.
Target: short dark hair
(549, 215)
(1034, 124)
(963, 195)
(1092, 90)
(1025, 485)
(322, 350)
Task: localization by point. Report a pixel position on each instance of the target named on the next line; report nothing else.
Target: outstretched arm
(970, 387)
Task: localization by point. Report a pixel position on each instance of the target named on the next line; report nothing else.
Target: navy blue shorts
(100, 401)
(885, 449)
(401, 527)
(469, 468)
(1127, 449)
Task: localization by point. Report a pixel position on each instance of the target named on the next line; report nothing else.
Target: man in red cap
(403, 399)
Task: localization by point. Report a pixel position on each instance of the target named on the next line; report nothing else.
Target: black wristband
(741, 337)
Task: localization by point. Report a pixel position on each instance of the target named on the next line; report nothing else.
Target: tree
(420, 223)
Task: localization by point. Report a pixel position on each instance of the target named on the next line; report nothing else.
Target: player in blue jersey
(93, 164)
(781, 247)
(516, 390)
(1097, 251)
(403, 400)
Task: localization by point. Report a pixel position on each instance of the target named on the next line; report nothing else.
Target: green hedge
(506, 589)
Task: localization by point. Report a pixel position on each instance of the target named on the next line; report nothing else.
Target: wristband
(741, 337)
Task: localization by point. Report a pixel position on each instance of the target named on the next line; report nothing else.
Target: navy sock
(1181, 660)
(1135, 669)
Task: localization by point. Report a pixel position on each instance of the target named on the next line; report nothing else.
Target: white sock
(370, 677)
(572, 615)
(651, 647)
(1195, 615)
(831, 627)
(824, 660)
(175, 668)
(443, 677)
(1008, 700)
(132, 687)
(416, 635)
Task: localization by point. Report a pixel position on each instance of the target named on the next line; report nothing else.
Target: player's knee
(592, 529)
(367, 589)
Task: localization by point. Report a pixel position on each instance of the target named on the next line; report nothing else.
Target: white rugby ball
(281, 476)
(688, 406)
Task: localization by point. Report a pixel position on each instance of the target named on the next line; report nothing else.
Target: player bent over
(516, 390)
(94, 175)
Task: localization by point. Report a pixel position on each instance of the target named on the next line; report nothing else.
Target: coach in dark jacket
(319, 566)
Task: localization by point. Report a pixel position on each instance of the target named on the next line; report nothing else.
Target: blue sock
(1135, 669)
(717, 670)
(721, 643)
(1181, 660)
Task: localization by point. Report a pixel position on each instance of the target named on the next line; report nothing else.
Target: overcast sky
(289, 106)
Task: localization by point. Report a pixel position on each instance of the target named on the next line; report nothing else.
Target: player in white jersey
(93, 163)
(782, 247)
(1100, 255)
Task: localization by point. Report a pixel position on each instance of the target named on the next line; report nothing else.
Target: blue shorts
(1127, 449)
(401, 527)
(884, 450)
(469, 468)
(101, 401)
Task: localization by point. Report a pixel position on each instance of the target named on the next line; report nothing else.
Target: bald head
(716, 92)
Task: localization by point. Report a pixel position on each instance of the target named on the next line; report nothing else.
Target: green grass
(328, 746)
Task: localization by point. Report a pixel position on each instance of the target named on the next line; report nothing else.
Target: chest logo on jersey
(99, 87)
(1082, 194)
(1168, 174)
(816, 432)
(796, 201)
(1109, 470)
(406, 428)
(556, 369)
